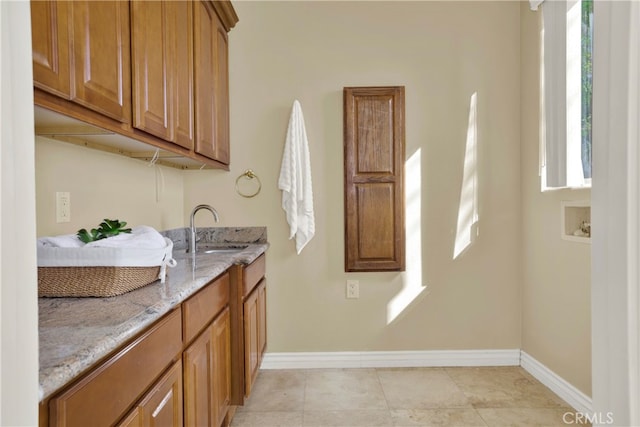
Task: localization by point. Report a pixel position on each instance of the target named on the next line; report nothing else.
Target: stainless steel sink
(219, 249)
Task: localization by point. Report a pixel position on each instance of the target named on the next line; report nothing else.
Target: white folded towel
(141, 236)
(63, 241)
(295, 181)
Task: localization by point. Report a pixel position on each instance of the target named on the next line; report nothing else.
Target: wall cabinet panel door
(221, 89)
(162, 60)
(183, 77)
(374, 178)
(50, 44)
(211, 84)
(101, 57)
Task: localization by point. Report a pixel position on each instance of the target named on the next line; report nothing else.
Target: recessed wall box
(576, 221)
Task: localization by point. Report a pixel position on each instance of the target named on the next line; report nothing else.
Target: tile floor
(494, 396)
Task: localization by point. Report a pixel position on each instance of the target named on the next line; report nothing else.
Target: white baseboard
(391, 359)
(434, 358)
(574, 397)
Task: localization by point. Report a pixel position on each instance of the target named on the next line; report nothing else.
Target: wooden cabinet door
(101, 57)
(198, 373)
(162, 60)
(50, 46)
(251, 341)
(221, 330)
(262, 318)
(211, 84)
(374, 178)
(162, 405)
(207, 369)
(221, 90)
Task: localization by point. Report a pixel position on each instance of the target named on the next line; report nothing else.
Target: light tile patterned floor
(495, 396)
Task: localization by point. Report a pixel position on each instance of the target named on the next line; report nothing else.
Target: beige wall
(442, 53)
(103, 185)
(556, 308)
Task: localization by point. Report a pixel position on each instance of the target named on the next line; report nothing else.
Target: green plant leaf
(88, 236)
(107, 228)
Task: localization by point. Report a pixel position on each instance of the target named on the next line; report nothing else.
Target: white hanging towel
(295, 181)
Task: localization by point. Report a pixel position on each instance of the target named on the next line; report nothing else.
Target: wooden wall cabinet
(101, 79)
(162, 63)
(155, 72)
(374, 178)
(249, 326)
(51, 46)
(211, 83)
(81, 53)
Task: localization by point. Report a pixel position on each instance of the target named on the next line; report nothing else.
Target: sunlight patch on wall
(412, 276)
(467, 229)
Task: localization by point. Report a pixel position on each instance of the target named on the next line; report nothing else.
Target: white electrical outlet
(63, 206)
(353, 289)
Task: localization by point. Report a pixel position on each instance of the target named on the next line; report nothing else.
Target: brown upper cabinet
(374, 178)
(155, 72)
(162, 63)
(211, 84)
(81, 53)
(50, 41)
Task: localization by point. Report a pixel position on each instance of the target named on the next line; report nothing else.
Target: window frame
(561, 139)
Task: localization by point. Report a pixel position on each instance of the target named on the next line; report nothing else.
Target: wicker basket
(100, 271)
(93, 281)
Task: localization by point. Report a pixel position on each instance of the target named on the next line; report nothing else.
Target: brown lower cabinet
(249, 330)
(207, 375)
(162, 406)
(105, 394)
(254, 334)
(177, 372)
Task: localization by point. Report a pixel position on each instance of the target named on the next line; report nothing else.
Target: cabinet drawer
(253, 273)
(199, 310)
(102, 397)
(162, 405)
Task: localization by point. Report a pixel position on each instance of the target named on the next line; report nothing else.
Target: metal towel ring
(248, 175)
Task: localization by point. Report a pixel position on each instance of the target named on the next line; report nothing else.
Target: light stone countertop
(75, 333)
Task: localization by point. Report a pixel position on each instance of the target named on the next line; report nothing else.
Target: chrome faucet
(192, 225)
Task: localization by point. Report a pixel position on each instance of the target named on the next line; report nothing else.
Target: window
(587, 83)
(567, 93)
